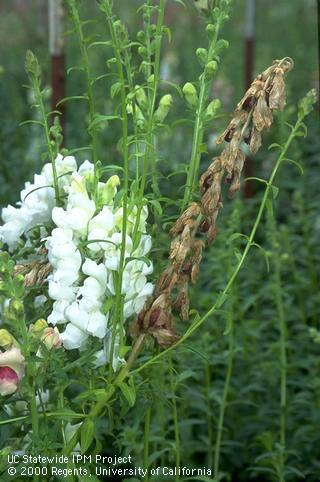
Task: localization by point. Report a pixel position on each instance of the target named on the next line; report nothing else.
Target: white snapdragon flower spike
(84, 250)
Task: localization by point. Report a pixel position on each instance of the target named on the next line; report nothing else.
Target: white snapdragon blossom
(37, 202)
(84, 250)
(80, 208)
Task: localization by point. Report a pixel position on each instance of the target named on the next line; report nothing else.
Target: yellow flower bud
(6, 339)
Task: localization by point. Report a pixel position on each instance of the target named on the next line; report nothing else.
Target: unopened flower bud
(190, 94)
(16, 306)
(211, 68)
(142, 51)
(141, 96)
(109, 190)
(202, 55)
(212, 109)
(37, 328)
(6, 339)
(164, 107)
(211, 30)
(51, 338)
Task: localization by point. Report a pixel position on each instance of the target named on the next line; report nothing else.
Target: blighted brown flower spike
(253, 115)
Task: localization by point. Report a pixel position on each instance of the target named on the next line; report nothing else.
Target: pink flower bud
(51, 338)
(11, 370)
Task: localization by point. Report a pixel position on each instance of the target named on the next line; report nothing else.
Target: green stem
(224, 400)
(175, 420)
(192, 176)
(149, 140)
(209, 414)
(91, 103)
(146, 435)
(118, 310)
(278, 289)
(41, 105)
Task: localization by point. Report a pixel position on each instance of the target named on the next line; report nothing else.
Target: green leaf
(115, 89)
(236, 236)
(144, 259)
(72, 97)
(70, 69)
(106, 43)
(296, 163)
(65, 414)
(87, 435)
(157, 206)
(100, 121)
(229, 326)
(167, 32)
(222, 297)
(275, 145)
(129, 392)
(275, 191)
(31, 122)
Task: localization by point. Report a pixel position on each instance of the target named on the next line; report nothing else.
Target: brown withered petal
(255, 140)
(208, 176)
(277, 97)
(196, 259)
(250, 96)
(183, 247)
(238, 167)
(191, 212)
(210, 201)
(38, 274)
(212, 233)
(239, 118)
(181, 304)
(204, 226)
(166, 281)
(262, 115)
(165, 337)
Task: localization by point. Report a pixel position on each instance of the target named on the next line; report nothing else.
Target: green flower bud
(32, 65)
(141, 96)
(36, 329)
(212, 109)
(7, 341)
(202, 55)
(16, 306)
(306, 104)
(109, 190)
(190, 94)
(211, 30)
(142, 51)
(164, 107)
(211, 68)
(151, 79)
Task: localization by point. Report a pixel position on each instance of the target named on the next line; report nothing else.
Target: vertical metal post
(249, 35)
(56, 16)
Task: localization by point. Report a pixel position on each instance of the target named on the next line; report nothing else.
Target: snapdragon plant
(79, 249)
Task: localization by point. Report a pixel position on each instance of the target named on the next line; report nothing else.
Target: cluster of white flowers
(37, 202)
(84, 250)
